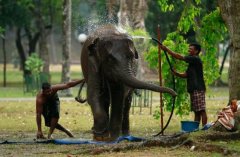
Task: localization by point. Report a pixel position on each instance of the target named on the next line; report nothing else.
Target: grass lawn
(17, 122)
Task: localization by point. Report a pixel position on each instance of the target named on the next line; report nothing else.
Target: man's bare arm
(39, 110)
(182, 75)
(66, 85)
(174, 54)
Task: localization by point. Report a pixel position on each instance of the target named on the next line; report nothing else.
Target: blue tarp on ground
(82, 141)
(76, 141)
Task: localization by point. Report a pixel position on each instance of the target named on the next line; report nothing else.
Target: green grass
(17, 121)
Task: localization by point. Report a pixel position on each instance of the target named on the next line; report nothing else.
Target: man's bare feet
(68, 132)
(40, 135)
(50, 137)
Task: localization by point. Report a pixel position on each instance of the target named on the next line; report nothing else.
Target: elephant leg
(95, 97)
(126, 109)
(106, 102)
(116, 113)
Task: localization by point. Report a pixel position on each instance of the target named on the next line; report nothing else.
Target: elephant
(109, 64)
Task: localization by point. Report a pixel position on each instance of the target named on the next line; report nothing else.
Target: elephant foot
(125, 133)
(105, 138)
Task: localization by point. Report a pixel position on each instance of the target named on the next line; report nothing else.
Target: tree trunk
(112, 9)
(4, 62)
(43, 49)
(139, 9)
(132, 13)
(232, 19)
(32, 40)
(20, 49)
(66, 43)
(123, 19)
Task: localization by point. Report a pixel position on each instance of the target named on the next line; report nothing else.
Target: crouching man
(48, 105)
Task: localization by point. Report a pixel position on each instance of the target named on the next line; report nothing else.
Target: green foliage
(176, 43)
(187, 19)
(138, 32)
(34, 64)
(165, 6)
(33, 81)
(157, 113)
(166, 20)
(210, 31)
(152, 56)
(15, 13)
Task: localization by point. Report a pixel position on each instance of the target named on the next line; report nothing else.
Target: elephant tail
(79, 98)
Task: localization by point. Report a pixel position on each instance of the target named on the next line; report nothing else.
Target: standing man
(195, 81)
(48, 105)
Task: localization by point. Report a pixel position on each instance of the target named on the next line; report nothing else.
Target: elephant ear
(133, 48)
(93, 47)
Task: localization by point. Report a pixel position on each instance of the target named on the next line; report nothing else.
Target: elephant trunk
(131, 81)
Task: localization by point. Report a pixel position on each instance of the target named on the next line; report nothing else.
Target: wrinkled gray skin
(109, 63)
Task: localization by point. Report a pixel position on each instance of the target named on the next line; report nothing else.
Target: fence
(142, 99)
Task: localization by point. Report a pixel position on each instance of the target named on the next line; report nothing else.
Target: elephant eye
(136, 54)
(130, 55)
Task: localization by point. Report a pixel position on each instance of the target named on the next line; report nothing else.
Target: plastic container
(189, 126)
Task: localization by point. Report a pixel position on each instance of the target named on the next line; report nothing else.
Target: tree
(209, 30)
(16, 14)
(138, 12)
(231, 17)
(132, 14)
(66, 43)
(4, 58)
(166, 19)
(112, 6)
(31, 19)
(11, 14)
(40, 23)
(45, 14)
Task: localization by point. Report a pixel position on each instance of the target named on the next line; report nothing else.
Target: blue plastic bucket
(189, 126)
